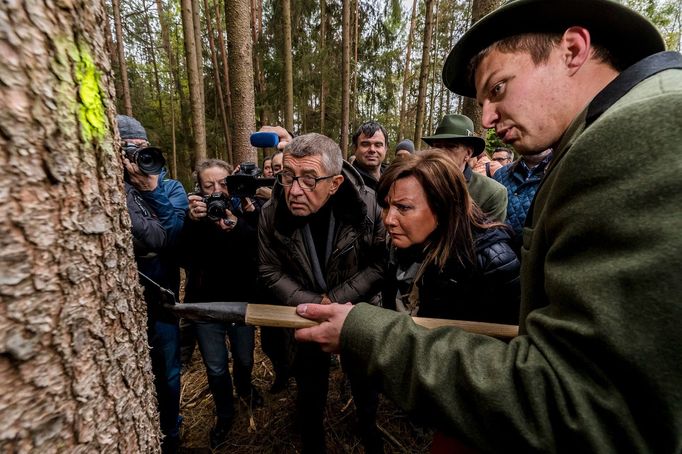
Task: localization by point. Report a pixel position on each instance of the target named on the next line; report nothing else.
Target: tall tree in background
(196, 25)
(122, 66)
(288, 67)
(424, 72)
(470, 108)
(263, 113)
(345, 78)
(74, 363)
(227, 98)
(406, 72)
(322, 53)
(218, 84)
(241, 79)
(195, 90)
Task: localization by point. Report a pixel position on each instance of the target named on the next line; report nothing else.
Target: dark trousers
(211, 338)
(276, 343)
(164, 340)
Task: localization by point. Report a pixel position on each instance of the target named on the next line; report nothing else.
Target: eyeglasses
(501, 159)
(304, 181)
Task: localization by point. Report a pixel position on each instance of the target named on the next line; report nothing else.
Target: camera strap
(164, 291)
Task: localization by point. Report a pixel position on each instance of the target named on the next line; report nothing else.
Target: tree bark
(74, 362)
(406, 72)
(324, 86)
(241, 80)
(196, 24)
(122, 66)
(345, 78)
(423, 73)
(195, 91)
(216, 78)
(355, 64)
(226, 79)
(288, 67)
(470, 107)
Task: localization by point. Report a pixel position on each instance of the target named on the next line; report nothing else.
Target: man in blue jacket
(167, 201)
(597, 363)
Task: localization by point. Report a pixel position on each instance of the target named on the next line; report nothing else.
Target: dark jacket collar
(633, 75)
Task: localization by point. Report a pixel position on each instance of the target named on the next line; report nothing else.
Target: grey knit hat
(130, 128)
(406, 145)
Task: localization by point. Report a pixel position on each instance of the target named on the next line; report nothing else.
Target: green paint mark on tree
(91, 112)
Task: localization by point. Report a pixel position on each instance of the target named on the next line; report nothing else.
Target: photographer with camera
(219, 245)
(157, 209)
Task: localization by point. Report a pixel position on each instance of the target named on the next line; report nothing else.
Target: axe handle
(286, 317)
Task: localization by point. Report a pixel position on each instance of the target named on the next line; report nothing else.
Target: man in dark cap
(597, 364)
(455, 135)
(404, 148)
(155, 203)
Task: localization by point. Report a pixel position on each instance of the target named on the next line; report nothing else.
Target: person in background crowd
(597, 364)
(522, 179)
(218, 254)
(370, 143)
(446, 259)
(267, 167)
(455, 134)
(404, 148)
(163, 200)
(483, 165)
(321, 240)
(503, 156)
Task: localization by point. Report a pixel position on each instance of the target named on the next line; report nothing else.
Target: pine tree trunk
(74, 362)
(435, 75)
(226, 79)
(470, 107)
(288, 67)
(423, 73)
(345, 78)
(195, 91)
(406, 72)
(354, 110)
(196, 24)
(324, 86)
(122, 66)
(216, 77)
(241, 80)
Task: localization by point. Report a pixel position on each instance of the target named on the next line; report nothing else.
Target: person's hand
(247, 205)
(197, 207)
(325, 300)
(263, 193)
(228, 223)
(283, 134)
(328, 332)
(140, 180)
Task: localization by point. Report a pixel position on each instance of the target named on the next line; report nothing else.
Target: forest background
(316, 66)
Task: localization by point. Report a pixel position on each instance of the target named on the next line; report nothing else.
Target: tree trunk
(122, 66)
(74, 362)
(288, 67)
(406, 73)
(241, 80)
(259, 77)
(434, 74)
(195, 92)
(345, 78)
(226, 79)
(324, 86)
(424, 73)
(196, 24)
(152, 56)
(216, 76)
(355, 64)
(470, 107)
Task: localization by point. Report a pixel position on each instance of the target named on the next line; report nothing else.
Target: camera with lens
(245, 182)
(216, 204)
(149, 160)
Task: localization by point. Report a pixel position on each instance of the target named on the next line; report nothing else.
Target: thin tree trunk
(406, 73)
(470, 107)
(288, 67)
(355, 65)
(113, 54)
(226, 79)
(198, 124)
(75, 374)
(324, 87)
(122, 66)
(345, 78)
(216, 75)
(152, 56)
(174, 170)
(196, 24)
(424, 73)
(241, 80)
(434, 81)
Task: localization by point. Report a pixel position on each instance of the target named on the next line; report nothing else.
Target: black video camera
(245, 182)
(149, 160)
(216, 204)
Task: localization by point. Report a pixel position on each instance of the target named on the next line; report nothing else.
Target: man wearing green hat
(597, 366)
(455, 135)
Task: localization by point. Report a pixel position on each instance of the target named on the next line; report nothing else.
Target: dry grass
(270, 429)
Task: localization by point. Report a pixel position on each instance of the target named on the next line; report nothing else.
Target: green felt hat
(626, 34)
(457, 128)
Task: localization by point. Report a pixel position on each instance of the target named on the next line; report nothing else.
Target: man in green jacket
(597, 366)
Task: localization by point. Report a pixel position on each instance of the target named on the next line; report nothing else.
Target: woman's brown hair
(448, 197)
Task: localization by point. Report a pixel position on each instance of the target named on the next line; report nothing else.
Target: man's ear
(336, 183)
(575, 45)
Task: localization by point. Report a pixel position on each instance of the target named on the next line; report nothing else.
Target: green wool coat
(598, 364)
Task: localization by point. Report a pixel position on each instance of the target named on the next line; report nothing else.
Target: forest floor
(270, 429)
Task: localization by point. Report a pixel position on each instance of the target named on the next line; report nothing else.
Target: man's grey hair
(314, 144)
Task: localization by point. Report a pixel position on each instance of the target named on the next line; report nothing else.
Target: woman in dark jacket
(446, 259)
